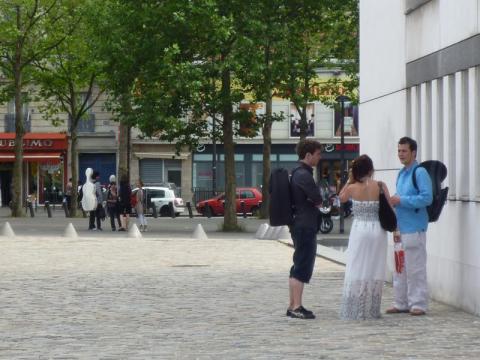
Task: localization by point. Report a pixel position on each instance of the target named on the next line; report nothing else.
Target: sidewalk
(173, 298)
(182, 226)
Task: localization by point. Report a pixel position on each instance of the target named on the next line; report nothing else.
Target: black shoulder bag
(388, 219)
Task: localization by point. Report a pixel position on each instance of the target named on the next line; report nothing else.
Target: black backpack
(438, 172)
(281, 204)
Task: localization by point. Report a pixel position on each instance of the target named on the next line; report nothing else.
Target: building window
(10, 116)
(350, 127)
(87, 123)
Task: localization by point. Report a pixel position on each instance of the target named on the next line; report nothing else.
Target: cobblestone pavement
(118, 298)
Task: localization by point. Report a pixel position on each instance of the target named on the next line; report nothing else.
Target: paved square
(120, 298)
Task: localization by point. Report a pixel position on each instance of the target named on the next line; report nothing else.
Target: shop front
(44, 166)
(249, 164)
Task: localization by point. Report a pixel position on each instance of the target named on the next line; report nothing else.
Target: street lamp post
(342, 99)
(214, 160)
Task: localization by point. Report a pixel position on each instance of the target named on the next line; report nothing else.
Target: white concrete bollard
(199, 233)
(70, 232)
(133, 232)
(269, 233)
(262, 229)
(284, 233)
(7, 230)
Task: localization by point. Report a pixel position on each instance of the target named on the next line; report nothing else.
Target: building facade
(47, 167)
(420, 76)
(324, 126)
(47, 158)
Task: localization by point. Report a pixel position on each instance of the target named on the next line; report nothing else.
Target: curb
(325, 252)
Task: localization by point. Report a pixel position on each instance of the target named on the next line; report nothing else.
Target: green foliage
(29, 31)
(69, 74)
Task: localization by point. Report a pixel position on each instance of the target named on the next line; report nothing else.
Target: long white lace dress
(366, 258)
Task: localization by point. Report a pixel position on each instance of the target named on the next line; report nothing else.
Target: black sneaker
(300, 313)
(289, 311)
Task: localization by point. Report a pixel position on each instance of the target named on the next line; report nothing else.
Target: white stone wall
(440, 23)
(442, 114)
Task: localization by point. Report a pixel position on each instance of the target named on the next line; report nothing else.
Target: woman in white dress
(367, 245)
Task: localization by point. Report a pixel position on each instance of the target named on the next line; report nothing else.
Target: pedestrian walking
(113, 207)
(367, 244)
(410, 286)
(139, 206)
(305, 197)
(87, 194)
(68, 194)
(124, 193)
(99, 213)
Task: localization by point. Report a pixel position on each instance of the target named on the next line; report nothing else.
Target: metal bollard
(242, 207)
(172, 210)
(208, 211)
(47, 207)
(65, 209)
(154, 211)
(189, 207)
(30, 207)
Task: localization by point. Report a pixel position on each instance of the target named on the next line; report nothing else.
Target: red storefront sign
(37, 147)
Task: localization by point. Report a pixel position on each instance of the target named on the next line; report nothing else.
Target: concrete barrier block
(7, 230)
(199, 233)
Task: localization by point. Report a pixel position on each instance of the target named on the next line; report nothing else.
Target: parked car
(161, 197)
(251, 197)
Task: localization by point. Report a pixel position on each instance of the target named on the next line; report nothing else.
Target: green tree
(260, 73)
(70, 81)
(186, 65)
(29, 31)
(321, 34)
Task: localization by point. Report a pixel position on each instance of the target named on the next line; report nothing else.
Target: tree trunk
(74, 170)
(230, 220)
(267, 150)
(303, 122)
(123, 153)
(17, 198)
(124, 142)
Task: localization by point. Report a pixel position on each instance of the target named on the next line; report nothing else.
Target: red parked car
(251, 197)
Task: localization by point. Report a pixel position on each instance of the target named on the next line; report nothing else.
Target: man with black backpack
(305, 197)
(411, 200)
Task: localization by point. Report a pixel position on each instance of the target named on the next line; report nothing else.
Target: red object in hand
(399, 258)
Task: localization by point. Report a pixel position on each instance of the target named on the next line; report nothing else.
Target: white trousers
(142, 220)
(410, 286)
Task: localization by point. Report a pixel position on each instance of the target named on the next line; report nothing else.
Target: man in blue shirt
(410, 286)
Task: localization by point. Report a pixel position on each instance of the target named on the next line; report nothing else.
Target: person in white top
(367, 245)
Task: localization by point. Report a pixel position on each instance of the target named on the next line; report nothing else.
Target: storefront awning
(41, 157)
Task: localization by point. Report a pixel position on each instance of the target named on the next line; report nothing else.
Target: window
(87, 123)
(247, 194)
(10, 116)
(295, 120)
(156, 193)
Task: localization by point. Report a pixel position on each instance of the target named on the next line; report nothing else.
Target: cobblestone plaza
(174, 298)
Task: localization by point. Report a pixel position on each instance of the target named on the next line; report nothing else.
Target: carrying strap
(380, 187)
